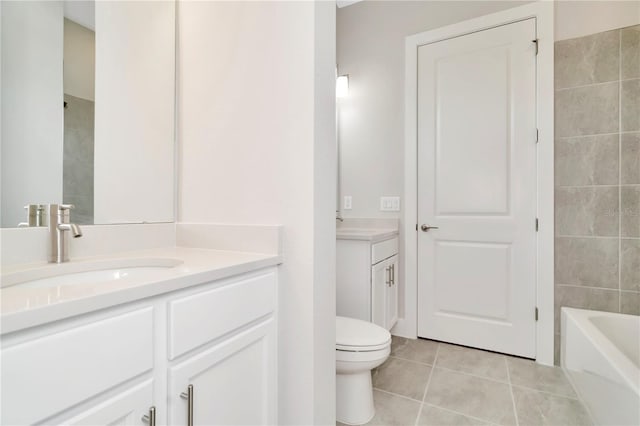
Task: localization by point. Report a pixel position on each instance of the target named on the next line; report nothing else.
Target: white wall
(371, 122)
(256, 99)
(134, 112)
(79, 60)
(32, 106)
(580, 18)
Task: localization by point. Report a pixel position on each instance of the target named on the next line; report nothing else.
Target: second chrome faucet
(59, 226)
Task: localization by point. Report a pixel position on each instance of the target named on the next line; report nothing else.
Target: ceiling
(82, 12)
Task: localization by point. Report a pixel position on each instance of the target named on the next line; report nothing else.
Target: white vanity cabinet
(112, 366)
(367, 280)
(125, 408)
(231, 384)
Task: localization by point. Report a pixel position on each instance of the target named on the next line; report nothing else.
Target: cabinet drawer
(383, 250)
(46, 376)
(202, 317)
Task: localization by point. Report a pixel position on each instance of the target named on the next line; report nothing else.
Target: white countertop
(365, 234)
(23, 307)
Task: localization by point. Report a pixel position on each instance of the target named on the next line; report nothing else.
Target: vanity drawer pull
(188, 395)
(151, 417)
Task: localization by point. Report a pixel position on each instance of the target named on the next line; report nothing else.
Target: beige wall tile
(630, 264)
(630, 48)
(590, 262)
(630, 302)
(587, 211)
(630, 158)
(587, 110)
(587, 160)
(630, 104)
(585, 298)
(630, 211)
(587, 60)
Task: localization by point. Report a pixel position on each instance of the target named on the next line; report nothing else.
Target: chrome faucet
(59, 225)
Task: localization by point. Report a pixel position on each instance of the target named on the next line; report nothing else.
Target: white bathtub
(600, 352)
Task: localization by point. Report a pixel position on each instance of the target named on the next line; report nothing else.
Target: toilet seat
(354, 335)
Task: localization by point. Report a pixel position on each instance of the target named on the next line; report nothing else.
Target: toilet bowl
(360, 347)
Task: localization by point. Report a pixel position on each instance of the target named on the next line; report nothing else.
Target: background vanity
(367, 270)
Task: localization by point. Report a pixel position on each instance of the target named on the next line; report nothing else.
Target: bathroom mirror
(88, 109)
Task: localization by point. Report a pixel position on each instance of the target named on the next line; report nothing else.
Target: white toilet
(360, 347)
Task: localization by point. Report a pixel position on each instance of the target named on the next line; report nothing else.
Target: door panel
(477, 185)
(234, 383)
(485, 107)
(380, 280)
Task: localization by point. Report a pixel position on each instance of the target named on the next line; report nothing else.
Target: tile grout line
(398, 395)
(592, 135)
(477, 376)
(556, 395)
(619, 170)
(513, 398)
(595, 237)
(410, 360)
(590, 286)
(602, 83)
(426, 387)
(461, 414)
(601, 185)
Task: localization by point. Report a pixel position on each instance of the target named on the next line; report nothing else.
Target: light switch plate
(346, 204)
(390, 204)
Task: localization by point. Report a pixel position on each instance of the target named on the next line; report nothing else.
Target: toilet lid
(357, 335)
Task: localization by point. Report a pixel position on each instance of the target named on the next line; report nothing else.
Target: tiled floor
(430, 383)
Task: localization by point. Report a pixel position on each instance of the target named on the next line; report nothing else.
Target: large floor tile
(419, 350)
(434, 416)
(472, 361)
(529, 374)
(403, 377)
(472, 396)
(542, 409)
(393, 410)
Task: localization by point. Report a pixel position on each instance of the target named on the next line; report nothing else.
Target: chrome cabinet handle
(426, 228)
(188, 395)
(387, 270)
(393, 274)
(151, 417)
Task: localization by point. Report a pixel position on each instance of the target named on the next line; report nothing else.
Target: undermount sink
(77, 273)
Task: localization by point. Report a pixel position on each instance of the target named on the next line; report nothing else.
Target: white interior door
(477, 185)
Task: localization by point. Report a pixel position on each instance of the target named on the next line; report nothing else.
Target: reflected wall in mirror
(88, 95)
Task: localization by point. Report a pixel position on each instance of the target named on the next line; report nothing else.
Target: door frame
(542, 11)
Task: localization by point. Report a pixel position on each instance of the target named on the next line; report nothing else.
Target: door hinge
(416, 226)
(537, 135)
(536, 313)
(537, 224)
(536, 43)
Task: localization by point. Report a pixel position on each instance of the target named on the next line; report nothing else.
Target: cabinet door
(391, 299)
(234, 382)
(380, 282)
(124, 409)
